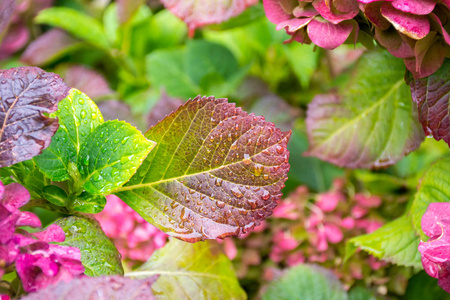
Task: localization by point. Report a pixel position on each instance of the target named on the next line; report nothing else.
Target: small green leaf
(191, 271)
(434, 187)
(78, 116)
(87, 203)
(77, 23)
(116, 149)
(28, 175)
(422, 286)
(55, 195)
(98, 254)
(306, 282)
(395, 242)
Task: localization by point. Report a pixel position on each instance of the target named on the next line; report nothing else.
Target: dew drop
(86, 160)
(81, 100)
(266, 176)
(258, 171)
(83, 114)
(220, 204)
(124, 160)
(116, 141)
(280, 149)
(247, 159)
(233, 146)
(174, 204)
(265, 195)
(218, 182)
(236, 192)
(166, 208)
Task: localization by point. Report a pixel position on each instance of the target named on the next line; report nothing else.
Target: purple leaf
(432, 97)
(98, 288)
(165, 106)
(116, 110)
(39, 52)
(26, 93)
(6, 12)
(215, 172)
(197, 13)
(16, 37)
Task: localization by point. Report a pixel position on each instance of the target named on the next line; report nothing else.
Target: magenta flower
(135, 238)
(327, 24)
(38, 263)
(436, 251)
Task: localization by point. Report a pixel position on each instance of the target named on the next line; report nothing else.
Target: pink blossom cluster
(37, 262)
(436, 251)
(414, 30)
(135, 238)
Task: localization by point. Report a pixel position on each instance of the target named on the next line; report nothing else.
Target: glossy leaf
(105, 287)
(75, 22)
(27, 174)
(114, 152)
(215, 172)
(87, 203)
(421, 286)
(39, 53)
(98, 254)
(434, 187)
(199, 13)
(191, 271)
(394, 242)
(54, 194)
(78, 116)
(432, 97)
(371, 123)
(306, 282)
(26, 93)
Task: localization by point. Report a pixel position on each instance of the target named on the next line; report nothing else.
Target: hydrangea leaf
(28, 175)
(114, 152)
(395, 242)
(191, 271)
(215, 172)
(87, 203)
(199, 13)
(306, 282)
(371, 123)
(434, 187)
(75, 22)
(6, 13)
(55, 195)
(78, 116)
(26, 94)
(109, 287)
(98, 254)
(432, 97)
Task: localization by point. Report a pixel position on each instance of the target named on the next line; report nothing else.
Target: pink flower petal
(397, 44)
(442, 29)
(333, 233)
(328, 13)
(328, 201)
(416, 7)
(327, 35)
(53, 233)
(27, 218)
(414, 26)
(275, 11)
(372, 12)
(368, 201)
(430, 63)
(293, 25)
(15, 196)
(431, 220)
(230, 248)
(358, 212)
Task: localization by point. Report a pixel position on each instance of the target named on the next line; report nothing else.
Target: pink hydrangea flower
(436, 251)
(135, 238)
(38, 263)
(327, 202)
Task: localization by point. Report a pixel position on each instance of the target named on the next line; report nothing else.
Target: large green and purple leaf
(306, 282)
(27, 94)
(372, 123)
(98, 254)
(105, 287)
(431, 94)
(191, 271)
(215, 172)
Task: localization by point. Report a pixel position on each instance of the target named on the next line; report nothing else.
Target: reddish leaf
(126, 9)
(165, 106)
(215, 172)
(199, 13)
(39, 53)
(432, 97)
(26, 93)
(6, 12)
(98, 288)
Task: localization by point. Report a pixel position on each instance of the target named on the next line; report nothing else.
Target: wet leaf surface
(26, 95)
(215, 172)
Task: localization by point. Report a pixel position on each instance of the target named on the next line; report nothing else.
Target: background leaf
(78, 116)
(432, 97)
(109, 287)
(434, 187)
(6, 12)
(26, 93)
(372, 123)
(98, 254)
(394, 242)
(215, 171)
(191, 271)
(77, 23)
(306, 282)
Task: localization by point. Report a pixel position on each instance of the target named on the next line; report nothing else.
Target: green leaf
(77, 23)
(114, 152)
(216, 171)
(434, 187)
(98, 254)
(360, 293)
(87, 203)
(306, 282)
(422, 286)
(395, 242)
(303, 60)
(191, 271)
(55, 195)
(27, 174)
(371, 123)
(78, 116)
